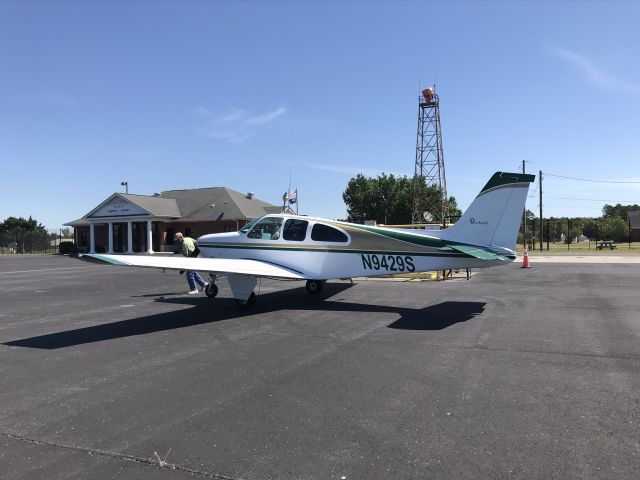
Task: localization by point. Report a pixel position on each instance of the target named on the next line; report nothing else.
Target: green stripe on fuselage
(432, 253)
(415, 239)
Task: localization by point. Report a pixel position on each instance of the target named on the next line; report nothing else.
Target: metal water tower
(429, 160)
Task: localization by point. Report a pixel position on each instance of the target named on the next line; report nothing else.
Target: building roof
(634, 219)
(216, 203)
(157, 206)
(198, 204)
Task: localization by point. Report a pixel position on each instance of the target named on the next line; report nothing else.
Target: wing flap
(237, 266)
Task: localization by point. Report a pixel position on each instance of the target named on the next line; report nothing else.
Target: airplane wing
(254, 268)
(478, 252)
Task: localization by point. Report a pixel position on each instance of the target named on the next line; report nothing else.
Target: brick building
(126, 223)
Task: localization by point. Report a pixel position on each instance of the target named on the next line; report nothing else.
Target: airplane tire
(211, 291)
(248, 303)
(314, 286)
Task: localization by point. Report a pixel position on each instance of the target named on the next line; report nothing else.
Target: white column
(92, 238)
(110, 237)
(149, 237)
(129, 237)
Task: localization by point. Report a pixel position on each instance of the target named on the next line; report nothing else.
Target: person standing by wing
(189, 248)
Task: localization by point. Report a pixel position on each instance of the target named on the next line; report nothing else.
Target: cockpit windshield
(250, 225)
(266, 228)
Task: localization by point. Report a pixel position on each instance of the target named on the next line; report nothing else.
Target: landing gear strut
(314, 286)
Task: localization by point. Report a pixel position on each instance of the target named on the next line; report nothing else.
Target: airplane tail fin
(494, 217)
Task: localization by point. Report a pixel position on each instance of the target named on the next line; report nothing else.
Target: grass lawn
(583, 248)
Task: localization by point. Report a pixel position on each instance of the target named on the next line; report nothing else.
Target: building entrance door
(138, 236)
(120, 237)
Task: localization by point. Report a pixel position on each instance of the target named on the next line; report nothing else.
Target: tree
(575, 227)
(613, 228)
(618, 210)
(389, 199)
(13, 230)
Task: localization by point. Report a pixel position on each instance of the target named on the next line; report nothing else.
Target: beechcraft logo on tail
(473, 221)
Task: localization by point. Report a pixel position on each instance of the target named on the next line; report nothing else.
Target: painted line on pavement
(47, 270)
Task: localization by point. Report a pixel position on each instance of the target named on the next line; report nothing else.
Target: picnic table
(606, 244)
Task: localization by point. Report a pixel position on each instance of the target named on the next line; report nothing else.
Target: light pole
(126, 186)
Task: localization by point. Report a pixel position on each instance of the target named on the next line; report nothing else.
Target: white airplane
(298, 247)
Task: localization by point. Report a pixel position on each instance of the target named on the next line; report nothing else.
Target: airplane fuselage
(324, 249)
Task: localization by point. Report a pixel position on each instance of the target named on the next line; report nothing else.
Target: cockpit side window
(325, 233)
(267, 228)
(295, 230)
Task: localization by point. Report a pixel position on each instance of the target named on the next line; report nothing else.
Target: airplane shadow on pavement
(205, 310)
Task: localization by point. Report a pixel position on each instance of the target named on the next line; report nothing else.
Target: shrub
(67, 248)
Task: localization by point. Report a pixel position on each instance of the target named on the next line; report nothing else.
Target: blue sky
(170, 95)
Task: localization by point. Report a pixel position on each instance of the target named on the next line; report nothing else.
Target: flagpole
(289, 189)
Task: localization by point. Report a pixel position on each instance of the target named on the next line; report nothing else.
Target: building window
(188, 232)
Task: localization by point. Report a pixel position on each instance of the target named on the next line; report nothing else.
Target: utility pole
(524, 219)
(540, 179)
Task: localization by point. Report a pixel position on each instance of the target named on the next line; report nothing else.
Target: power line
(587, 180)
(592, 200)
(571, 206)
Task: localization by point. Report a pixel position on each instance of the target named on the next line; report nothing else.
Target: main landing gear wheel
(315, 286)
(248, 303)
(211, 290)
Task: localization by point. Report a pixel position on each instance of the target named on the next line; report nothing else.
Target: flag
(293, 197)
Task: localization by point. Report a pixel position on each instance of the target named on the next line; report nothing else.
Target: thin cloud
(235, 125)
(593, 73)
(622, 52)
(202, 111)
(346, 169)
(266, 118)
(230, 136)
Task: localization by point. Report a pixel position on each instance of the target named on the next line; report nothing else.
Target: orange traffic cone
(525, 259)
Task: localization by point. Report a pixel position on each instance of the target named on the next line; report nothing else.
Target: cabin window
(268, 228)
(325, 233)
(295, 230)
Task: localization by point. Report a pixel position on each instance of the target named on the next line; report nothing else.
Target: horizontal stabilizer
(478, 252)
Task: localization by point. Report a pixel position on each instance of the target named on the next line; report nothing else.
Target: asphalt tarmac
(110, 372)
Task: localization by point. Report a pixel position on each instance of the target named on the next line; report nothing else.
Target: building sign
(118, 207)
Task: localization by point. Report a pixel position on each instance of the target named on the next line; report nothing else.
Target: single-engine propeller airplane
(298, 247)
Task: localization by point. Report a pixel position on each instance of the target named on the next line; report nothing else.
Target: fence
(567, 234)
(37, 241)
